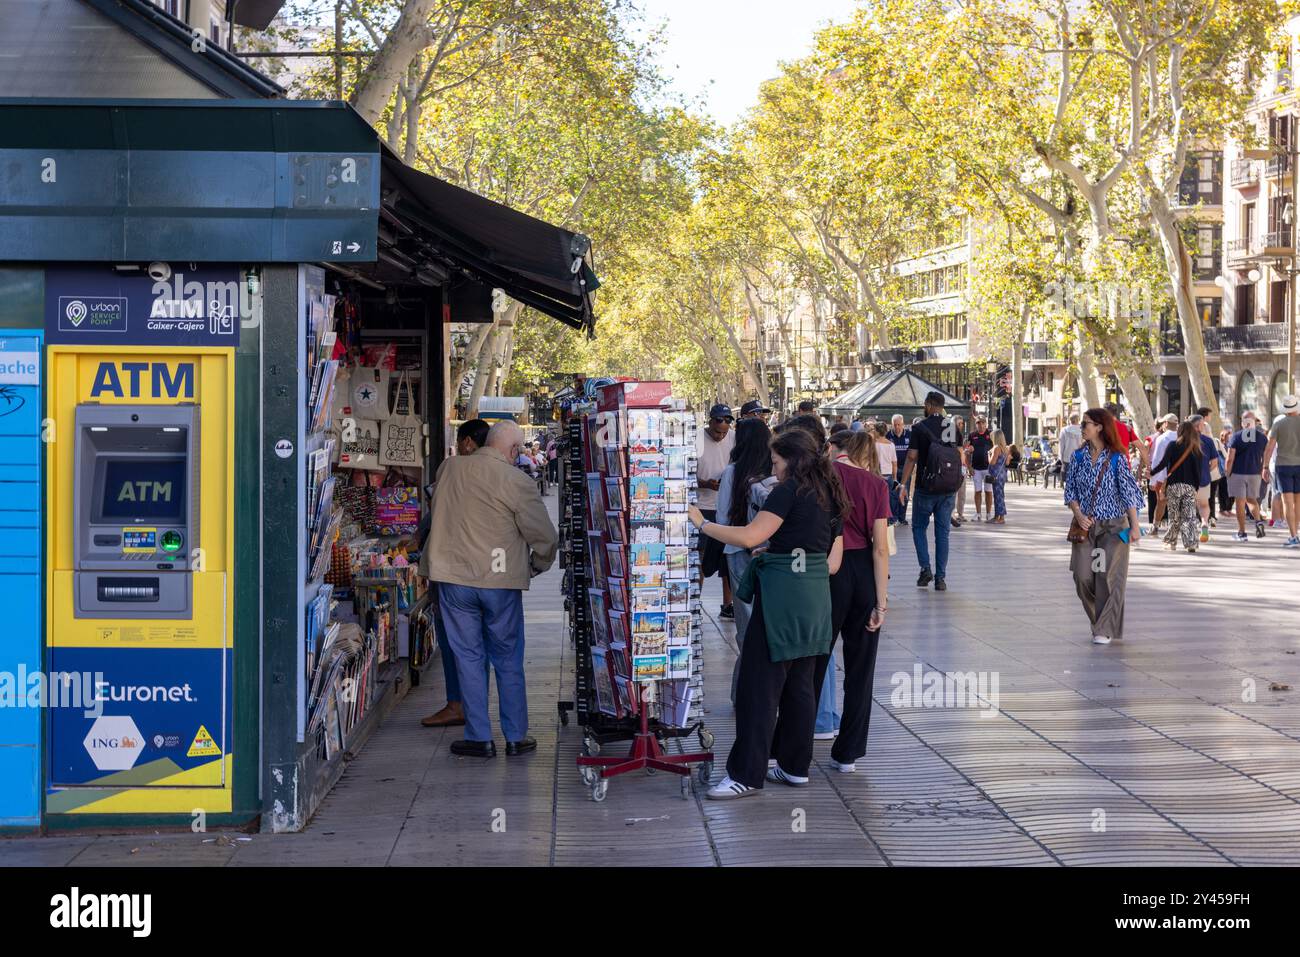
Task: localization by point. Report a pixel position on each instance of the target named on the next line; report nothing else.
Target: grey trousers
(737, 562)
(1100, 568)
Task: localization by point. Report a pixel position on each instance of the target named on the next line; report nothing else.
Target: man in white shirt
(712, 455)
(1069, 442)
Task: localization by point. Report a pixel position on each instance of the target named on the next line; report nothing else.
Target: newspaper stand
(613, 665)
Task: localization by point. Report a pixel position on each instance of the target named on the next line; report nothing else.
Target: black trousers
(776, 709)
(853, 597)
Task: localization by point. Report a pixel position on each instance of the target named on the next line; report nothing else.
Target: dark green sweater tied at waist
(796, 590)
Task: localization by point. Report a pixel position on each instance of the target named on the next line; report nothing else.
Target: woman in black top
(804, 511)
(1183, 460)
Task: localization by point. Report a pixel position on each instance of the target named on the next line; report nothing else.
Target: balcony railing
(1243, 172)
(1260, 337)
(1278, 239)
(1241, 247)
(1279, 164)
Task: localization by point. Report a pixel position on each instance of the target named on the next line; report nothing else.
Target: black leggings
(853, 597)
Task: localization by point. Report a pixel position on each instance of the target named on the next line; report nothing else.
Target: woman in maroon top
(859, 590)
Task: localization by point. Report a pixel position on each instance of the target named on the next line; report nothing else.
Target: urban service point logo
(86, 314)
(114, 743)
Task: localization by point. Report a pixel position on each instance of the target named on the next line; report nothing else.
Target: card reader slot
(127, 589)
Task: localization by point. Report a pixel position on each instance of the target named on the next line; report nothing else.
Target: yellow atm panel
(139, 591)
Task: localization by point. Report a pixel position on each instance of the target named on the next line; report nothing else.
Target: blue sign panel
(136, 716)
(20, 578)
(97, 305)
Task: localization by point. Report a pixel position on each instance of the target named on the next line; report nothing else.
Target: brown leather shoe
(452, 716)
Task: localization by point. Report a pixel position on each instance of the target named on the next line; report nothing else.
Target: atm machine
(139, 595)
(136, 507)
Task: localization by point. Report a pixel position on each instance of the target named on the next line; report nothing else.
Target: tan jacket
(490, 528)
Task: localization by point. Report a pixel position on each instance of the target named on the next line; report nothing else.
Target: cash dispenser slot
(127, 589)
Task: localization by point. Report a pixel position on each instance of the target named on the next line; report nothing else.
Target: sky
(736, 44)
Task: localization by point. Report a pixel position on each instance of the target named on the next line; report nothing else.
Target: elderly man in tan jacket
(490, 534)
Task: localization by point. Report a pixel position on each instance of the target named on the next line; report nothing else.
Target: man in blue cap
(712, 455)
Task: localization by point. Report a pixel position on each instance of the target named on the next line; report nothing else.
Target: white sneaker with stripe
(729, 790)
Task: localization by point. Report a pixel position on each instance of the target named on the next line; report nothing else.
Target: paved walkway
(1167, 748)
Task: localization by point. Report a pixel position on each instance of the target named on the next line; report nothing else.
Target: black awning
(540, 265)
(257, 14)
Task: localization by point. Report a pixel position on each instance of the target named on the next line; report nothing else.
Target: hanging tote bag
(370, 392)
(401, 442)
(358, 443)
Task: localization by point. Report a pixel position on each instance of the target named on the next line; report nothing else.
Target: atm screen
(150, 489)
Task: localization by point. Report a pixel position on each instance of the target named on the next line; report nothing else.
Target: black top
(1189, 473)
(805, 523)
(927, 430)
(980, 443)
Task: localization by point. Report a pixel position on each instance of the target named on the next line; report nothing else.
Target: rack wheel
(649, 770)
(599, 790)
(589, 776)
(706, 739)
(703, 772)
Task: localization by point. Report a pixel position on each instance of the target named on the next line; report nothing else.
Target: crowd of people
(798, 520)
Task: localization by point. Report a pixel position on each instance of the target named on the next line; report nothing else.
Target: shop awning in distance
(890, 392)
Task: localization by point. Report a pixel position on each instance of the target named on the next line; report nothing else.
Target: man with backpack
(934, 450)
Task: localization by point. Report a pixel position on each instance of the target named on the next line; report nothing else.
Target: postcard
(614, 493)
(650, 667)
(646, 511)
(649, 599)
(641, 554)
(615, 555)
(649, 621)
(614, 462)
(617, 627)
(675, 463)
(679, 596)
(675, 495)
(646, 488)
(655, 643)
(615, 527)
(644, 426)
(679, 557)
(677, 529)
(646, 463)
(595, 497)
(647, 532)
(604, 684)
(679, 629)
(617, 593)
(679, 662)
(648, 576)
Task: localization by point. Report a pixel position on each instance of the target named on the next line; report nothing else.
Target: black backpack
(941, 474)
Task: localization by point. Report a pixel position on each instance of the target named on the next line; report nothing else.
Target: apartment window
(1244, 304)
(1248, 224)
(1202, 179)
(1209, 309)
(1209, 239)
(1277, 301)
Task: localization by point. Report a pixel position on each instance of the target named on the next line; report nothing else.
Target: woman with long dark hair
(859, 590)
(1182, 458)
(751, 464)
(1104, 497)
(790, 624)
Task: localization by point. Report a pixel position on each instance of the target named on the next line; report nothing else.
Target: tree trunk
(483, 372)
(409, 36)
(1087, 362)
(472, 351)
(1178, 264)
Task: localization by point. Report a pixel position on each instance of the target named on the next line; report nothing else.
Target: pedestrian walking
(1245, 471)
(490, 534)
(999, 462)
(713, 452)
(742, 487)
(790, 625)
(1157, 479)
(859, 595)
(1285, 441)
(1182, 461)
(934, 454)
(1104, 497)
(1069, 442)
(899, 434)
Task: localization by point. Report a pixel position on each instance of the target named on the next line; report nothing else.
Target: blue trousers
(828, 719)
(1000, 498)
(450, 678)
(485, 626)
(896, 507)
(925, 505)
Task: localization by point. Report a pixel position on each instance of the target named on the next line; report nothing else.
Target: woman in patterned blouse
(1103, 494)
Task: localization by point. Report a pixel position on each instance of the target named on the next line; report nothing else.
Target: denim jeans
(486, 626)
(999, 497)
(449, 676)
(828, 719)
(897, 509)
(925, 505)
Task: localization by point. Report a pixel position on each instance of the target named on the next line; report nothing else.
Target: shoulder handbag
(1077, 532)
(401, 436)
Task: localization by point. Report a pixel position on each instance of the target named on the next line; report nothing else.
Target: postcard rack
(634, 585)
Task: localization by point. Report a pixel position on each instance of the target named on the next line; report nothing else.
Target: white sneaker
(823, 736)
(729, 790)
(1100, 640)
(771, 763)
(780, 777)
(844, 768)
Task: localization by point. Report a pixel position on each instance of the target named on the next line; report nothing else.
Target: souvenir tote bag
(358, 443)
(401, 440)
(369, 392)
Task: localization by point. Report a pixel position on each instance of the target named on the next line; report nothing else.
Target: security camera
(160, 272)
